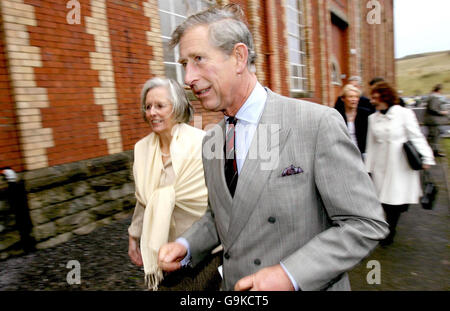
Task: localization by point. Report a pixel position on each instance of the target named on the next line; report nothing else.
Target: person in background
(396, 183)
(376, 80)
(435, 115)
(296, 220)
(355, 116)
(363, 103)
(170, 185)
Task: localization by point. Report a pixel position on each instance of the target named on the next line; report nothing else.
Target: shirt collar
(253, 107)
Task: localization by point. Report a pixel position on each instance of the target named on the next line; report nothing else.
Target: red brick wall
(281, 27)
(10, 154)
(131, 57)
(378, 46)
(316, 50)
(69, 80)
(339, 52)
(325, 57)
(265, 48)
(342, 4)
(389, 42)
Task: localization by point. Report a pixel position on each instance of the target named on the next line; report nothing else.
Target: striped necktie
(231, 172)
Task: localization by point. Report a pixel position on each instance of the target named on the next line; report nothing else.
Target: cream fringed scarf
(188, 192)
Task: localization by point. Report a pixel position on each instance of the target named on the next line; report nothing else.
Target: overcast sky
(421, 26)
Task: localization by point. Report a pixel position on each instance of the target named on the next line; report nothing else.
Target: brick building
(71, 73)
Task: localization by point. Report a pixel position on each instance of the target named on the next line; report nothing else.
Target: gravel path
(419, 258)
(103, 258)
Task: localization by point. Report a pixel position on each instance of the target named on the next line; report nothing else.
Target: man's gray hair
(226, 29)
(355, 78)
(182, 108)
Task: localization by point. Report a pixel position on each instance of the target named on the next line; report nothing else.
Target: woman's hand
(425, 166)
(134, 251)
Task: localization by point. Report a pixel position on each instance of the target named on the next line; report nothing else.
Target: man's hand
(134, 252)
(425, 166)
(268, 279)
(170, 255)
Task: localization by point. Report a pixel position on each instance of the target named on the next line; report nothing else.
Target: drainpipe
(17, 199)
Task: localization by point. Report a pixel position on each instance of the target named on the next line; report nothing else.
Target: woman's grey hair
(226, 29)
(182, 108)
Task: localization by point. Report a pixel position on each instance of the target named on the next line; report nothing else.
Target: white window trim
(173, 25)
(298, 37)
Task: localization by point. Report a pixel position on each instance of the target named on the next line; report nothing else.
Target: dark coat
(361, 120)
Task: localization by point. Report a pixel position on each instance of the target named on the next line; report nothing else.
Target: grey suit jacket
(433, 112)
(319, 223)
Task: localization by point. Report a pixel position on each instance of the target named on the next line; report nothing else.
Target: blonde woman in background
(356, 117)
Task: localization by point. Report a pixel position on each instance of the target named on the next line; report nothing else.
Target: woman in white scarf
(168, 174)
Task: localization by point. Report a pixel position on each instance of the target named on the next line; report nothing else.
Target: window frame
(299, 23)
(199, 5)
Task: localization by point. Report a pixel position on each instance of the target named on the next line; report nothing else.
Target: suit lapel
(217, 162)
(255, 173)
(219, 194)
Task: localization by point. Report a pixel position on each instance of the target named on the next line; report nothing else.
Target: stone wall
(68, 200)
(9, 235)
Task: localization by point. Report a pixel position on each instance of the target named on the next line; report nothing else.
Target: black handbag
(413, 156)
(429, 193)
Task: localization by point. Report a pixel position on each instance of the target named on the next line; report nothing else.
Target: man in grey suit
(435, 115)
(303, 210)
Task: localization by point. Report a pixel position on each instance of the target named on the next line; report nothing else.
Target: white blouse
(352, 131)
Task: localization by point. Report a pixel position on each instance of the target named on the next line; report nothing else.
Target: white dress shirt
(247, 121)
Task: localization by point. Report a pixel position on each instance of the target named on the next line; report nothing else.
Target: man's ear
(241, 53)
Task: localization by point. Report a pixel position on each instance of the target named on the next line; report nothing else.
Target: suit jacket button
(257, 262)
(227, 256)
(271, 220)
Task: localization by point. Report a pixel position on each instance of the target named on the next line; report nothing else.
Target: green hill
(417, 74)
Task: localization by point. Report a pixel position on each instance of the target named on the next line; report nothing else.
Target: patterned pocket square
(291, 170)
